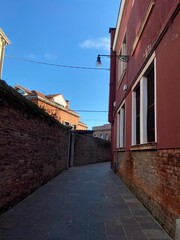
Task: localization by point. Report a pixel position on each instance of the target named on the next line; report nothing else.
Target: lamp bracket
(123, 58)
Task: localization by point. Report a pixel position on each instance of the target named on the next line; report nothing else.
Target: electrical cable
(56, 65)
(89, 111)
(93, 111)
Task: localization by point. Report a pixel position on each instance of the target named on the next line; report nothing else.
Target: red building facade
(144, 104)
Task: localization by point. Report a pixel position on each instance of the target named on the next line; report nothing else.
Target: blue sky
(65, 32)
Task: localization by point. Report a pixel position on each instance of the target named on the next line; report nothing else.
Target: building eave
(3, 35)
(118, 24)
(82, 124)
(16, 86)
(36, 97)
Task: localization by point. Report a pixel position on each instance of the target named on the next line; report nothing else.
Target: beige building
(4, 41)
(103, 132)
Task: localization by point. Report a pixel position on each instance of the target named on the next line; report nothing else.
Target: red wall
(168, 98)
(112, 78)
(158, 18)
(134, 16)
(153, 174)
(168, 88)
(119, 89)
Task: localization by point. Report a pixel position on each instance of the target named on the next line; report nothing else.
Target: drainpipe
(69, 148)
(71, 162)
(112, 93)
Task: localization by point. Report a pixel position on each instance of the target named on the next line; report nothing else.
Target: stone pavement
(83, 203)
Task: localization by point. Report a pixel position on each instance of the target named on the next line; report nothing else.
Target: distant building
(4, 41)
(55, 105)
(103, 132)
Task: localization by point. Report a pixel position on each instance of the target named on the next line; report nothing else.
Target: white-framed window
(22, 92)
(101, 136)
(144, 107)
(66, 123)
(122, 65)
(121, 127)
(73, 127)
(106, 136)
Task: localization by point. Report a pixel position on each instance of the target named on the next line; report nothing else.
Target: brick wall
(33, 147)
(88, 149)
(154, 177)
(61, 115)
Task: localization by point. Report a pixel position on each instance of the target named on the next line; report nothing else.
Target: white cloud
(50, 56)
(33, 56)
(99, 43)
(45, 56)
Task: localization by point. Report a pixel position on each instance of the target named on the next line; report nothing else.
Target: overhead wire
(57, 65)
(81, 110)
(93, 111)
(64, 66)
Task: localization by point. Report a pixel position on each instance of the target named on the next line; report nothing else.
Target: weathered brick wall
(61, 115)
(33, 147)
(88, 149)
(154, 177)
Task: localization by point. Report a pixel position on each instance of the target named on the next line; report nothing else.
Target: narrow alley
(83, 203)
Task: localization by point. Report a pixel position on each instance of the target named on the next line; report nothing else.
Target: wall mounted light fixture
(123, 58)
(125, 87)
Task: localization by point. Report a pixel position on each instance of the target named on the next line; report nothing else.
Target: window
(122, 65)
(150, 107)
(137, 92)
(143, 108)
(73, 127)
(106, 137)
(22, 92)
(121, 127)
(101, 136)
(66, 123)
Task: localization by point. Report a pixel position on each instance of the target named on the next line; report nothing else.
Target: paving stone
(153, 225)
(84, 203)
(136, 236)
(114, 229)
(78, 228)
(154, 234)
(96, 235)
(117, 238)
(145, 219)
(97, 227)
(76, 237)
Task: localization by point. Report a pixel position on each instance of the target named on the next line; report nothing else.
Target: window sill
(120, 149)
(146, 146)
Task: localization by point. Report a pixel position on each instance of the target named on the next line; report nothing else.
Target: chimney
(67, 106)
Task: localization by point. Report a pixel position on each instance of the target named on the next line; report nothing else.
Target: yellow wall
(3, 42)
